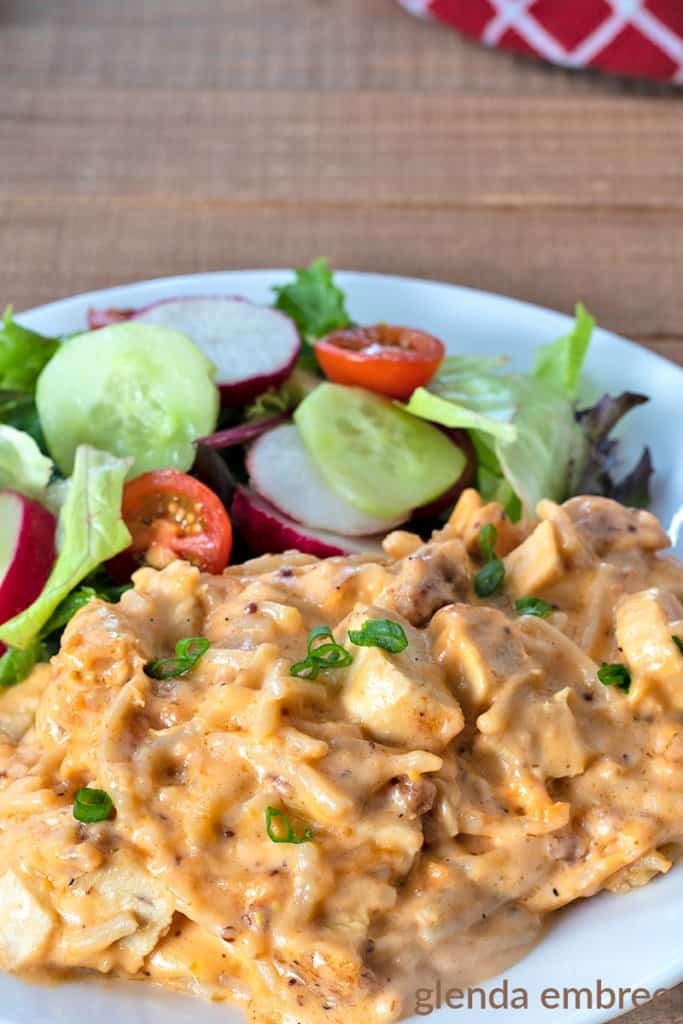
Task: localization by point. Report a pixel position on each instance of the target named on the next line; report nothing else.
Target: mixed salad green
(159, 431)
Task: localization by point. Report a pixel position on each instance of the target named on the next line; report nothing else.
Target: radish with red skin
(27, 552)
(253, 348)
(282, 471)
(264, 530)
(98, 318)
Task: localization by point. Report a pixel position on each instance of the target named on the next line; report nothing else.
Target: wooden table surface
(141, 138)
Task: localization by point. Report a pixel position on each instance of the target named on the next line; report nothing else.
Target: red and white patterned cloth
(626, 37)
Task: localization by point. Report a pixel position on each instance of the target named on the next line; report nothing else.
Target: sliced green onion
(187, 654)
(321, 655)
(533, 606)
(489, 579)
(281, 830)
(91, 805)
(330, 654)
(679, 642)
(615, 674)
(488, 535)
(306, 669)
(319, 633)
(384, 633)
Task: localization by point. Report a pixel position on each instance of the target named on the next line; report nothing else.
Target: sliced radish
(264, 531)
(104, 317)
(281, 469)
(27, 551)
(252, 347)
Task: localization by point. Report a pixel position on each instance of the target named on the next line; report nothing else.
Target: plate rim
(97, 294)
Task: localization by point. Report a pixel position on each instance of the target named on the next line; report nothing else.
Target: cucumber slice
(132, 389)
(378, 457)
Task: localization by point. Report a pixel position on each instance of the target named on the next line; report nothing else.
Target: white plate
(630, 941)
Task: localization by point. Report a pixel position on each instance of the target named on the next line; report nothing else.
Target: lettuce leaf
(90, 530)
(533, 447)
(536, 464)
(596, 464)
(523, 428)
(23, 467)
(531, 442)
(634, 488)
(95, 585)
(315, 304)
(18, 410)
(23, 354)
(559, 364)
(284, 398)
(453, 413)
(313, 301)
(491, 483)
(15, 665)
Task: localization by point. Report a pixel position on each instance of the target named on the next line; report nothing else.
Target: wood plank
(60, 246)
(667, 1009)
(300, 44)
(670, 348)
(373, 147)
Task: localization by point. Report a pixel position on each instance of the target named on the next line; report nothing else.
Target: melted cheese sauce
(458, 792)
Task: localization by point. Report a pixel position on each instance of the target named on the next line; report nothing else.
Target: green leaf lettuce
(315, 304)
(23, 467)
(559, 364)
(90, 531)
(23, 354)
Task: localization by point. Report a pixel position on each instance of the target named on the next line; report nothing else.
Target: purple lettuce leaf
(596, 470)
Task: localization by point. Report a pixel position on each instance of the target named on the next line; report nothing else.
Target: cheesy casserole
(442, 801)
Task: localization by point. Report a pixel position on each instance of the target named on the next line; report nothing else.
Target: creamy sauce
(459, 792)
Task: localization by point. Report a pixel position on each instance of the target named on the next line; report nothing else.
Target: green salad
(211, 429)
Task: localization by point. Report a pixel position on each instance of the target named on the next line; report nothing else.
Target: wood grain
(140, 138)
(315, 45)
(85, 242)
(367, 148)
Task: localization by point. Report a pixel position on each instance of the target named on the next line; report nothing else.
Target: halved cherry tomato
(390, 360)
(171, 515)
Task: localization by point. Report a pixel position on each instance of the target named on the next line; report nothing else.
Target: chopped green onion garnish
(384, 633)
(92, 805)
(488, 535)
(321, 655)
(330, 654)
(533, 606)
(489, 579)
(679, 642)
(306, 669)
(281, 830)
(187, 654)
(615, 674)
